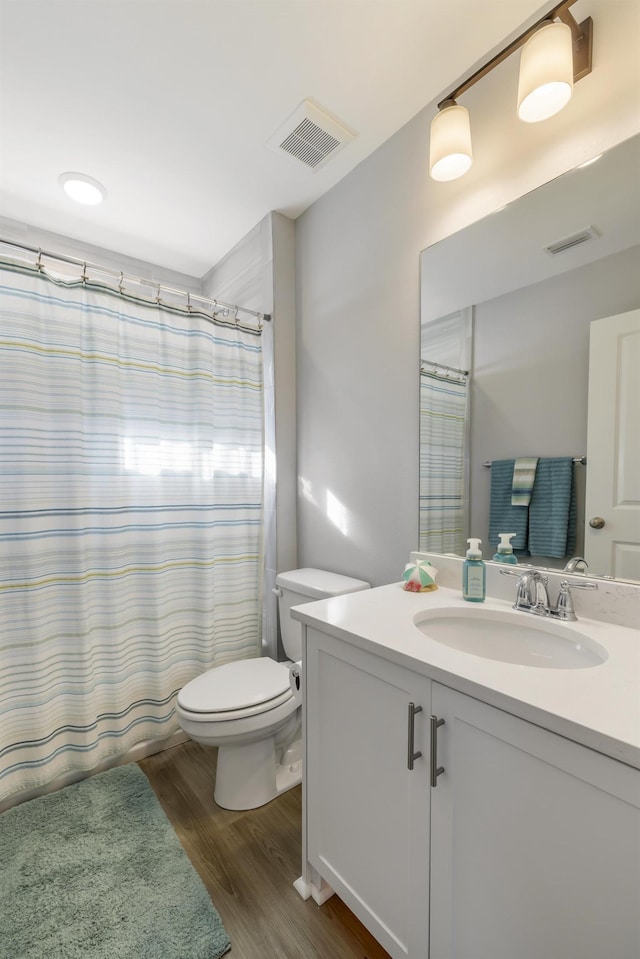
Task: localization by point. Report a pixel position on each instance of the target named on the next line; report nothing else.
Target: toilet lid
(232, 686)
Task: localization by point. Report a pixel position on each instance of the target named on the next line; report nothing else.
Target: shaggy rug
(95, 871)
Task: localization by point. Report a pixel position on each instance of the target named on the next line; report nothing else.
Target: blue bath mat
(95, 871)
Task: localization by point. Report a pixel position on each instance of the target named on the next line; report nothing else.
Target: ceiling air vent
(570, 241)
(310, 136)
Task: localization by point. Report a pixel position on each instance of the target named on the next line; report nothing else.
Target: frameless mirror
(507, 307)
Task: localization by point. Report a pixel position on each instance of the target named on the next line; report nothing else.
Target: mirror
(506, 308)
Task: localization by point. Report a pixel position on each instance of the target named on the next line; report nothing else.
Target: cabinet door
(367, 813)
(535, 842)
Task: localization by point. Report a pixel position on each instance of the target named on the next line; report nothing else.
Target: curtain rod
(219, 311)
(582, 460)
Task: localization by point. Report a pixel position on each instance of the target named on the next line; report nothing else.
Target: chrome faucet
(532, 595)
(572, 565)
(531, 591)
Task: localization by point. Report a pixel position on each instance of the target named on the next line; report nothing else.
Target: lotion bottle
(474, 574)
(505, 550)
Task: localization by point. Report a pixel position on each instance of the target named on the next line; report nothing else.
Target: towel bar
(582, 460)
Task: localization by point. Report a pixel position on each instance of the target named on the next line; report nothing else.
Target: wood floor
(248, 862)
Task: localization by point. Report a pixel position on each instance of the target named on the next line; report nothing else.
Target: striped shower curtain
(443, 404)
(131, 465)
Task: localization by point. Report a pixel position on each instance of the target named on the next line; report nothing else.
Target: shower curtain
(131, 466)
(443, 404)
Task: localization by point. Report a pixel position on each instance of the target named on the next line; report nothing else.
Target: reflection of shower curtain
(443, 404)
(130, 520)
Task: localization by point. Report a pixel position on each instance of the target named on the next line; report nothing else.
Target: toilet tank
(304, 586)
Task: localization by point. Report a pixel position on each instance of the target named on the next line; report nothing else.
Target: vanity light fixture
(450, 154)
(556, 52)
(545, 84)
(82, 188)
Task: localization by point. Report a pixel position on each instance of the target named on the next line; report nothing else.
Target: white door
(612, 527)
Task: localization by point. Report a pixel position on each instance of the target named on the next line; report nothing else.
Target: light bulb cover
(82, 188)
(450, 153)
(545, 83)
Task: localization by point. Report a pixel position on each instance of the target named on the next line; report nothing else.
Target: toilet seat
(249, 711)
(236, 690)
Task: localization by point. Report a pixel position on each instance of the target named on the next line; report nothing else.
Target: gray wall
(357, 355)
(357, 280)
(531, 365)
(259, 273)
(13, 231)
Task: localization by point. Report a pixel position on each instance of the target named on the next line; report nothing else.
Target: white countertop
(598, 706)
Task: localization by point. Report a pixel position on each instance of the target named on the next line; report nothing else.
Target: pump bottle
(474, 574)
(505, 550)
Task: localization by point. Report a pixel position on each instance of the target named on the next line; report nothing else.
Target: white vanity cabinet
(535, 842)
(526, 847)
(367, 813)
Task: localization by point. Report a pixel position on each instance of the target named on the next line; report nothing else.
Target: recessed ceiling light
(82, 188)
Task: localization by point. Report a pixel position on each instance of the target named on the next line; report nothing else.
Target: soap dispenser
(505, 550)
(474, 574)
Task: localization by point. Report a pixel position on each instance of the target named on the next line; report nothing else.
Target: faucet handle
(564, 607)
(522, 587)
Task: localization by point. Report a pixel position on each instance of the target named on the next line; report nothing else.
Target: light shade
(450, 154)
(82, 188)
(546, 73)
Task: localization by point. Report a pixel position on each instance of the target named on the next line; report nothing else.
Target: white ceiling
(170, 104)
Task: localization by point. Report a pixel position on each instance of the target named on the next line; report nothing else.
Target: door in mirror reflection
(613, 451)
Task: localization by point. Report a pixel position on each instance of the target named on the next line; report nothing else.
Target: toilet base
(248, 776)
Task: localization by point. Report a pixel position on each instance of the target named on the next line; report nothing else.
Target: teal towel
(552, 511)
(503, 517)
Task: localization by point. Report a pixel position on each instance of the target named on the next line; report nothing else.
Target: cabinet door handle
(411, 756)
(435, 769)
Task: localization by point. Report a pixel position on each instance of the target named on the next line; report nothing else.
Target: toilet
(251, 709)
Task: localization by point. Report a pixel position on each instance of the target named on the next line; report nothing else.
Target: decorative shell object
(419, 577)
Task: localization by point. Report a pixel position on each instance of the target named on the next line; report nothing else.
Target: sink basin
(511, 637)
